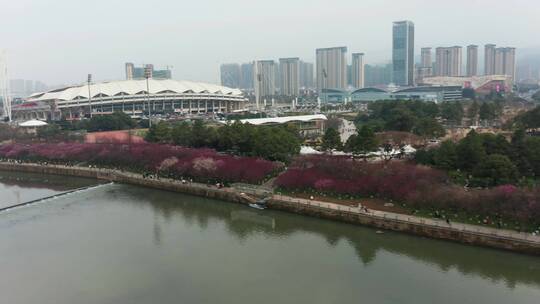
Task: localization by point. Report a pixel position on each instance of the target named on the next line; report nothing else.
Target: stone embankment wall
(467, 234)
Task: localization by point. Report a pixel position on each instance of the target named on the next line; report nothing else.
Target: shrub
(173, 161)
(420, 187)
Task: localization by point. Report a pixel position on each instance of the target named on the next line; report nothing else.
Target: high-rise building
(357, 70)
(378, 75)
(133, 72)
(472, 60)
(289, 70)
(306, 75)
(130, 67)
(489, 59)
(448, 61)
(425, 68)
(230, 75)
(264, 80)
(505, 62)
(403, 53)
(425, 58)
(246, 76)
(500, 61)
(331, 68)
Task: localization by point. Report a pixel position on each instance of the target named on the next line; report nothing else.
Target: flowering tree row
(167, 160)
(417, 186)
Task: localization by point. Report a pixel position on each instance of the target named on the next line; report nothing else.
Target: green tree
(331, 140)
(429, 128)
(181, 134)
(470, 151)
(160, 132)
(363, 142)
(472, 112)
(202, 136)
(531, 153)
(496, 144)
(527, 120)
(275, 143)
(49, 132)
(452, 111)
(495, 170)
(445, 157)
(487, 111)
(400, 119)
(114, 121)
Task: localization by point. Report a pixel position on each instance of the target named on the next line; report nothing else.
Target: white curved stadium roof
(134, 87)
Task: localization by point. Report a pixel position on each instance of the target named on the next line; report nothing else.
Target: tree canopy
(331, 140)
(415, 116)
(271, 142)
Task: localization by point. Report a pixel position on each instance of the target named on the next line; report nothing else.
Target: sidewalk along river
(474, 235)
(126, 244)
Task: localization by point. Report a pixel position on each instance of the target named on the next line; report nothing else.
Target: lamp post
(89, 94)
(148, 75)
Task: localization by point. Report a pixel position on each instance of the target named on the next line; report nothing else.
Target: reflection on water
(253, 217)
(122, 244)
(17, 187)
(243, 222)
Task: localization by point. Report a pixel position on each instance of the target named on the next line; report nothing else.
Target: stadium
(130, 96)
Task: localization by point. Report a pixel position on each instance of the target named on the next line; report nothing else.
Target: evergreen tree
(470, 151)
(363, 142)
(331, 140)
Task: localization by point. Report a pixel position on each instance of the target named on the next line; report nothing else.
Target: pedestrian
(448, 220)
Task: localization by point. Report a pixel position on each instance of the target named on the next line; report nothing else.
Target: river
(123, 244)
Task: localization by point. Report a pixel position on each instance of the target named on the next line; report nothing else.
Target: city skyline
(200, 61)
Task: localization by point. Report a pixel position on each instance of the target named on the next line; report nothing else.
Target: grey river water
(121, 244)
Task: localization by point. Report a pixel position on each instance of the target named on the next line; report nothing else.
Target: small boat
(258, 206)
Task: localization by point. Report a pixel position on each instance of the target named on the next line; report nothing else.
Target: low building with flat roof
(307, 124)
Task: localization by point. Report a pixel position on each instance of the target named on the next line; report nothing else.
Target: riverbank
(467, 234)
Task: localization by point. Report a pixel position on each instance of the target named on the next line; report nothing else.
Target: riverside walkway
(389, 216)
(465, 233)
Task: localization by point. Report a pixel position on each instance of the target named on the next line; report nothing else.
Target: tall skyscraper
(306, 75)
(331, 68)
(425, 68)
(505, 61)
(425, 59)
(378, 75)
(357, 70)
(489, 59)
(289, 70)
(230, 75)
(264, 80)
(246, 76)
(403, 53)
(472, 60)
(500, 61)
(448, 61)
(130, 67)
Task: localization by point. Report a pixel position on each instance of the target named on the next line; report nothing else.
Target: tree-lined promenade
(433, 228)
(425, 191)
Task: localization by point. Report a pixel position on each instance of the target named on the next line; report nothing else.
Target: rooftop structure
(131, 97)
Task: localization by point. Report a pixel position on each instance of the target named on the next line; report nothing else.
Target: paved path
(502, 233)
(459, 227)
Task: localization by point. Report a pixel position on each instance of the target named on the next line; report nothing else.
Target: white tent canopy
(33, 123)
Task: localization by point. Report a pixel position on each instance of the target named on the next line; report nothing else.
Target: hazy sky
(60, 41)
